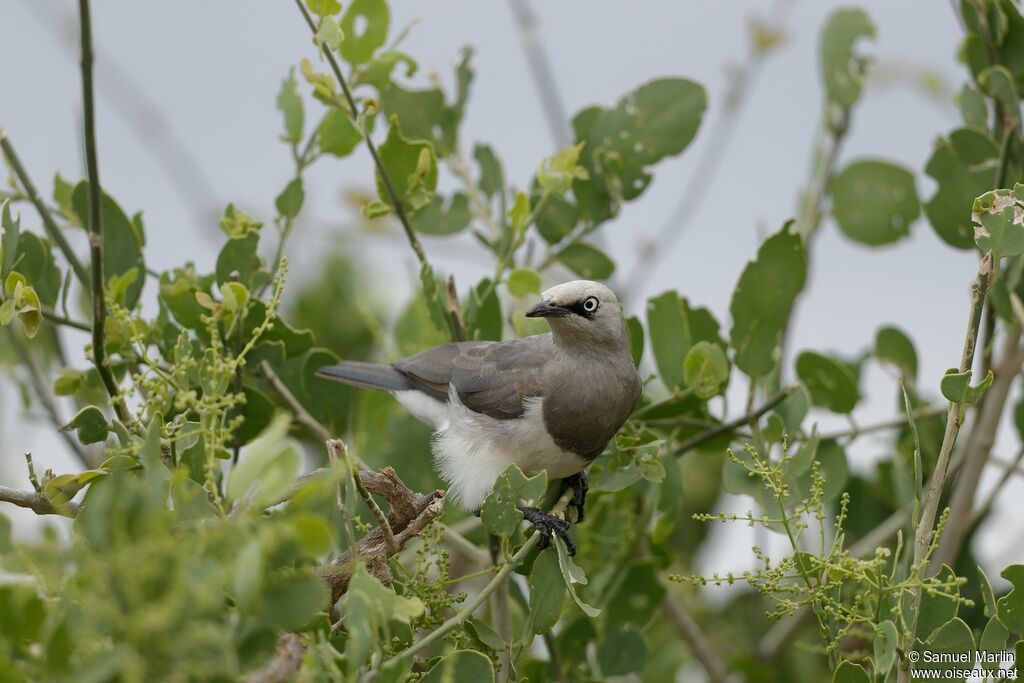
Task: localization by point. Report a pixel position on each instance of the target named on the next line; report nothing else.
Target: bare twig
(99, 305)
(543, 74)
(930, 505)
(302, 416)
(895, 423)
(49, 225)
(1009, 469)
(42, 391)
(691, 634)
(37, 502)
(382, 521)
(409, 515)
(726, 427)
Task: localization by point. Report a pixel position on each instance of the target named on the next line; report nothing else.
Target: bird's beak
(546, 309)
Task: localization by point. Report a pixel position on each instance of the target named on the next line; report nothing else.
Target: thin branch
(543, 74)
(926, 525)
(382, 521)
(895, 423)
(699, 646)
(37, 502)
(58, 319)
(49, 225)
(99, 305)
(473, 603)
(42, 392)
(353, 113)
(282, 666)
(1010, 468)
(726, 427)
(302, 416)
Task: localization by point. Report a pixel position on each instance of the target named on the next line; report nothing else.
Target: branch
(302, 416)
(282, 666)
(977, 451)
(99, 305)
(926, 525)
(481, 597)
(543, 74)
(410, 513)
(42, 392)
(690, 632)
(1009, 469)
(726, 427)
(49, 225)
(396, 201)
(895, 423)
(37, 502)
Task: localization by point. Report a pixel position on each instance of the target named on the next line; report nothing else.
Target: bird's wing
(493, 378)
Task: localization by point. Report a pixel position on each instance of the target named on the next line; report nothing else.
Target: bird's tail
(366, 375)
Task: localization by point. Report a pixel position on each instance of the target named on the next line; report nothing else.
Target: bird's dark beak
(546, 309)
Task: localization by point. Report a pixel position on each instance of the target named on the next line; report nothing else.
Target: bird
(548, 402)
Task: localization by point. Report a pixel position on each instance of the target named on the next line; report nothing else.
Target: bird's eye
(590, 305)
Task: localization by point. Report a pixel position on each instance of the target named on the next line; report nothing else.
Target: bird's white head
(583, 311)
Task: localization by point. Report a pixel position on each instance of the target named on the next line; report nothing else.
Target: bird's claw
(545, 525)
(579, 485)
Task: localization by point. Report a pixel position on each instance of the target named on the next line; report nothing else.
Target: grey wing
(493, 378)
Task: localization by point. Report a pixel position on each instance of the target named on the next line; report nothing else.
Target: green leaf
(483, 312)
(411, 168)
(875, 202)
(987, 595)
(7, 313)
(964, 167)
(461, 665)
(240, 255)
(290, 105)
(956, 386)
(9, 241)
(992, 644)
(524, 281)
(329, 34)
(842, 69)
(557, 173)
(587, 261)
(1011, 606)
(267, 467)
(973, 107)
(122, 239)
(635, 329)
(657, 120)
(573, 574)
(323, 7)
(359, 46)
(556, 218)
(948, 643)
(829, 381)
(705, 369)
(848, 672)
(762, 300)
(623, 651)
(500, 512)
(445, 219)
(936, 610)
(289, 202)
(291, 602)
(90, 424)
(887, 639)
(368, 608)
(639, 596)
(492, 177)
(1000, 233)
(893, 346)
(339, 135)
(34, 260)
(547, 589)
(668, 324)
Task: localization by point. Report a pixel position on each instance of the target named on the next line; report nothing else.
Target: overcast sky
(187, 123)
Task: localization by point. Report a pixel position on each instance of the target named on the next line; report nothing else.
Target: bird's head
(582, 311)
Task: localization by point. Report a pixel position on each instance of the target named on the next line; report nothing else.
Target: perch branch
(302, 416)
(282, 666)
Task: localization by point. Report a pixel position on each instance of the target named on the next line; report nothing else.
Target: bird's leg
(545, 525)
(579, 485)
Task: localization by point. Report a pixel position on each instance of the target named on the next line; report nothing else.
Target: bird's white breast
(472, 449)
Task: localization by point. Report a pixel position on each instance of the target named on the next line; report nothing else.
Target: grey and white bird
(550, 402)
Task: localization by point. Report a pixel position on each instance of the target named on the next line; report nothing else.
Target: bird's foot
(545, 525)
(579, 485)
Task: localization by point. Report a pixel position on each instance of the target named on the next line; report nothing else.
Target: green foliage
(198, 552)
